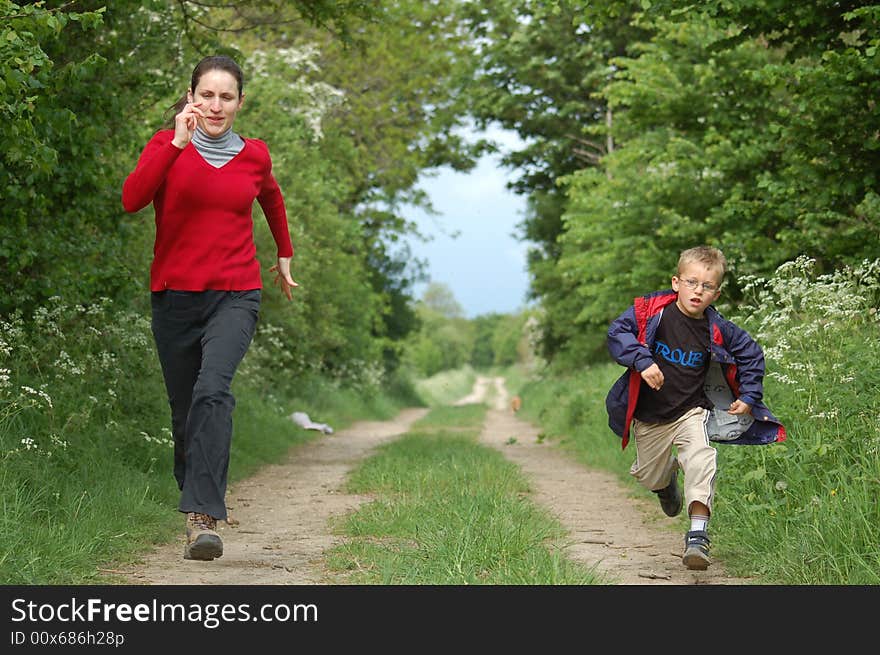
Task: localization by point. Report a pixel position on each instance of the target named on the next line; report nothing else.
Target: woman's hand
(185, 123)
(282, 276)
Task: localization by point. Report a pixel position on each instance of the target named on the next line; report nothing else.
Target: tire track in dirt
(607, 527)
(282, 513)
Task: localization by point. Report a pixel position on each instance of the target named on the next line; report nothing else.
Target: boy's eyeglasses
(708, 287)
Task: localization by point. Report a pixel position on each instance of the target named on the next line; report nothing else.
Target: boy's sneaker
(670, 495)
(696, 550)
(202, 540)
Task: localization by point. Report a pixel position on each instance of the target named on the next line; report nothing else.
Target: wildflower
(58, 441)
(833, 492)
(65, 363)
(41, 394)
(776, 375)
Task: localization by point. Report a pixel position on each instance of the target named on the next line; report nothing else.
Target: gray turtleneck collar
(217, 151)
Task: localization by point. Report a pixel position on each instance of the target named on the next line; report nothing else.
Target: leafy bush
(811, 500)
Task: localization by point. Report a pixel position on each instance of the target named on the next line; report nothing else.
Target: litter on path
(302, 419)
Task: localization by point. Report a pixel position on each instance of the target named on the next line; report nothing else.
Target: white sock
(699, 522)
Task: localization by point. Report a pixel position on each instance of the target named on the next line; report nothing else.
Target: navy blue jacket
(631, 340)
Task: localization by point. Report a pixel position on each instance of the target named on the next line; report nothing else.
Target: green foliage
(85, 90)
(447, 341)
(507, 340)
(725, 141)
(82, 437)
(445, 338)
(820, 484)
(440, 345)
(483, 352)
(85, 440)
(379, 114)
(329, 255)
(438, 299)
(748, 125)
(40, 137)
(542, 66)
(342, 19)
(446, 387)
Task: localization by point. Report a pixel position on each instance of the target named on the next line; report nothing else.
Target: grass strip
(448, 511)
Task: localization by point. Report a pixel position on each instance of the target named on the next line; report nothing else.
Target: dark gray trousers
(201, 338)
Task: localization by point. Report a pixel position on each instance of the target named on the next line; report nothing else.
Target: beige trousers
(696, 456)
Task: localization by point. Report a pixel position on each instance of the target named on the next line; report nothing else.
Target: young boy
(693, 377)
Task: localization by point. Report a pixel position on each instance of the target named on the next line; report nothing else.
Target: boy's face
(706, 283)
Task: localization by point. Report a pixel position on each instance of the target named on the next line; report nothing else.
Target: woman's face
(217, 91)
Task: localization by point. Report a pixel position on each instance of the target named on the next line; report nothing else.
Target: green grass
(449, 511)
(85, 452)
(464, 417)
(446, 387)
(515, 378)
(99, 506)
(801, 512)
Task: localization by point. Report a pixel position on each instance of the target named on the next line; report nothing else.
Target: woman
(202, 179)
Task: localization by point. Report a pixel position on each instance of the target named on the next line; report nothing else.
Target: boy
(693, 377)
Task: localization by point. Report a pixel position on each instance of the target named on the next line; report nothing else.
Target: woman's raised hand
(185, 123)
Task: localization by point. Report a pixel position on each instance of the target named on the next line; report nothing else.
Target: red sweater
(204, 227)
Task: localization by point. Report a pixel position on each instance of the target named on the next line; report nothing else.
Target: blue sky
(474, 250)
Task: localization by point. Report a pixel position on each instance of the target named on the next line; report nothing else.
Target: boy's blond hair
(711, 257)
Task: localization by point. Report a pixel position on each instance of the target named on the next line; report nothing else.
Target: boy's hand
(654, 377)
(739, 407)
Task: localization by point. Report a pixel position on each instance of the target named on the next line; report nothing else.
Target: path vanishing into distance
(280, 517)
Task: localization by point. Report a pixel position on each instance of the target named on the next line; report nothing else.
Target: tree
(483, 351)
(728, 141)
(543, 65)
(445, 339)
(506, 339)
(52, 173)
(439, 298)
(394, 117)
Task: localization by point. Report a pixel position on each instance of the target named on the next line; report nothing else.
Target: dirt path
(620, 534)
(284, 511)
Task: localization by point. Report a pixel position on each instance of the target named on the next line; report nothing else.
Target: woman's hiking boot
(202, 540)
(670, 495)
(696, 550)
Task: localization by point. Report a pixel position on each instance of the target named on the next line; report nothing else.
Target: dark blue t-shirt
(681, 350)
